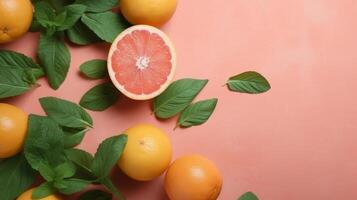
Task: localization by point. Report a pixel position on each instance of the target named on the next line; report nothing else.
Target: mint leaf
(46, 172)
(72, 13)
(72, 139)
(80, 34)
(95, 195)
(94, 69)
(105, 25)
(248, 82)
(55, 57)
(248, 196)
(44, 142)
(70, 186)
(98, 5)
(13, 82)
(177, 97)
(44, 190)
(81, 158)
(108, 154)
(16, 176)
(65, 170)
(45, 14)
(66, 113)
(12, 59)
(110, 186)
(100, 97)
(197, 113)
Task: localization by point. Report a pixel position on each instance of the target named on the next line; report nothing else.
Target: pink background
(298, 141)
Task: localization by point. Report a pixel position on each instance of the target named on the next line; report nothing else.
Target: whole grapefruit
(13, 130)
(147, 153)
(149, 12)
(15, 19)
(193, 177)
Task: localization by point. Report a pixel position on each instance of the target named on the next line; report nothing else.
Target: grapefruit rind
(169, 78)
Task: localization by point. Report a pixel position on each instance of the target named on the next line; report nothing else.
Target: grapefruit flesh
(142, 62)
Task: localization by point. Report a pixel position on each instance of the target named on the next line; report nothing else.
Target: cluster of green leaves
(177, 98)
(248, 196)
(50, 151)
(101, 96)
(18, 73)
(82, 21)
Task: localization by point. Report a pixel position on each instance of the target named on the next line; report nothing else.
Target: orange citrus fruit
(28, 196)
(15, 19)
(147, 153)
(150, 12)
(142, 62)
(193, 177)
(13, 130)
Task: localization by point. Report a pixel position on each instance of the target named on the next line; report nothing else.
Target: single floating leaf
(177, 97)
(248, 196)
(197, 113)
(66, 113)
(16, 176)
(248, 82)
(100, 97)
(106, 25)
(94, 69)
(55, 57)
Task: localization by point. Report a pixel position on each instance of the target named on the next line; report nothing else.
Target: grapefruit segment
(142, 62)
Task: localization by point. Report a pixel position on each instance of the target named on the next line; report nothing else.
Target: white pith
(141, 63)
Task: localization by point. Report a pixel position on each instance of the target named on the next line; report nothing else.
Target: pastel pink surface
(298, 141)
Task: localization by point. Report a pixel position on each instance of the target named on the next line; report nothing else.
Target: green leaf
(45, 14)
(16, 176)
(110, 186)
(55, 57)
(44, 142)
(98, 5)
(95, 195)
(65, 170)
(248, 196)
(107, 155)
(197, 113)
(72, 14)
(46, 172)
(44, 190)
(80, 157)
(105, 25)
(80, 34)
(100, 97)
(66, 113)
(248, 82)
(13, 82)
(73, 139)
(70, 186)
(94, 69)
(177, 97)
(59, 4)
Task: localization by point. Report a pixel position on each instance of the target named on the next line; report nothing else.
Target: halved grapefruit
(142, 62)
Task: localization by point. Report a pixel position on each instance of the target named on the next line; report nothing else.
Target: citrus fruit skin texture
(15, 19)
(149, 12)
(13, 130)
(193, 177)
(27, 196)
(142, 62)
(147, 153)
